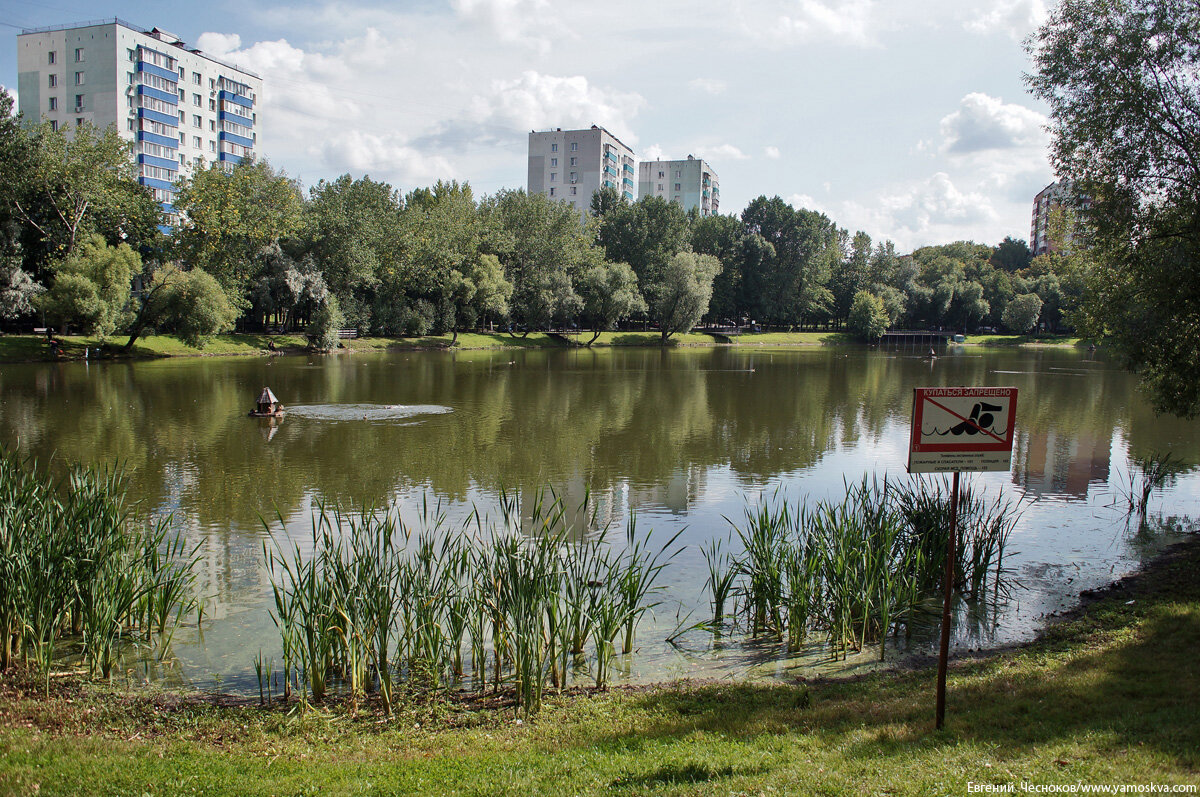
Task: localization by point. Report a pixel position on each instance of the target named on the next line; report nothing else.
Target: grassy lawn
(1108, 697)
(1025, 340)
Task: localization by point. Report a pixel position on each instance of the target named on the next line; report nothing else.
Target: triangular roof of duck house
(267, 397)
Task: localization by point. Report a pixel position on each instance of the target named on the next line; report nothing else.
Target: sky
(907, 119)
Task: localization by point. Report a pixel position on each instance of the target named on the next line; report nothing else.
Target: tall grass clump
(373, 603)
(858, 568)
(76, 563)
(1147, 474)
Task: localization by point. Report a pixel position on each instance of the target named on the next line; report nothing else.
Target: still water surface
(684, 438)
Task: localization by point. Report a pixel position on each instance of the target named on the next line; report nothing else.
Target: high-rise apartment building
(691, 183)
(182, 109)
(1048, 199)
(571, 165)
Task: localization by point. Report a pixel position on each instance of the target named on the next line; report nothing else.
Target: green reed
(372, 602)
(858, 568)
(76, 562)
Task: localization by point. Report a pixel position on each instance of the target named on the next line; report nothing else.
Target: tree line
(82, 246)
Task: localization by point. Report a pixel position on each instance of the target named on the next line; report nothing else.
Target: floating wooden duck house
(267, 405)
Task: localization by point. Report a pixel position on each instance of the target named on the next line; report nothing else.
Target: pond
(686, 439)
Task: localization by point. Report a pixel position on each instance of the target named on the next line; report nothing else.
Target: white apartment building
(182, 109)
(571, 165)
(1053, 196)
(691, 183)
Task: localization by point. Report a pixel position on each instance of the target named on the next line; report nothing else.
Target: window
(574, 146)
(551, 190)
(50, 56)
(130, 77)
(212, 84)
(554, 147)
(574, 176)
(574, 161)
(78, 102)
(181, 160)
(54, 103)
(79, 121)
(196, 100)
(182, 95)
(212, 125)
(677, 186)
(182, 138)
(196, 142)
(53, 81)
(553, 176)
(182, 73)
(80, 78)
(79, 55)
(197, 121)
(196, 78)
(661, 175)
(574, 190)
(212, 145)
(54, 125)
(554, 161)
(129, 124)
(182, 118)
(212, 105)
(132, 55)
(676, 174)
(660, 184)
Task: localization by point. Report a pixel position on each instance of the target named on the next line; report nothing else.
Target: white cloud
(771, 152)
(714, 153)
(986, 123)
(708, 85)
(788, 22)
(219, 44)
(1017, 18)
(535, 101)
(652, 153)
(532, 23)
(390, 156)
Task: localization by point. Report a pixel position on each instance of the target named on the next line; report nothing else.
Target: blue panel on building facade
(152, 182)
(161, 118)
(155, 138)
(226, 157)
(162, 163)
(237, 98)
(158, 94)
(233, 117)
(151, 69)
(236, 139)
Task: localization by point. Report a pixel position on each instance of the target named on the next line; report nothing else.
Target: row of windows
(53, 106)
(158, 172)
(157, 128)
(149, 56)
(574, 147)
(155, 82)
(80, 79)
(155, 104)
(236, 129)
(554, 177)
(80, 56)
(574, 161)
(156, 150)
(574, 191)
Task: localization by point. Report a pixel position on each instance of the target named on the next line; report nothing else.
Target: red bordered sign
(962, 429)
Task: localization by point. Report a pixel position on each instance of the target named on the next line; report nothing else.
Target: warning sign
(962, 429)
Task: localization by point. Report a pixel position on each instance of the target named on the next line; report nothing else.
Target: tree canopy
(1122, 79)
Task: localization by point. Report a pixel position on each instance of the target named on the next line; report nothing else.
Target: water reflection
(681, 437)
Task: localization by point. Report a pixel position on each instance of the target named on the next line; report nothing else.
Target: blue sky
(908, 119)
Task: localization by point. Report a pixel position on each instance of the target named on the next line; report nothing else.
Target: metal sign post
(957, 429)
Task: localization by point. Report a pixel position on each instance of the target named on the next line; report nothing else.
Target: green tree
(1012, 255)
(1022, 312)
(63, 188)
(17, 287)
(1122, 80)
(351, 228)
(325, 324)
(851, 275)
(191, 303)
(229, 217)
(868, 319)
(790, 285)
(543, 245)
(610, 293)
(681, 298)
(91, 287)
